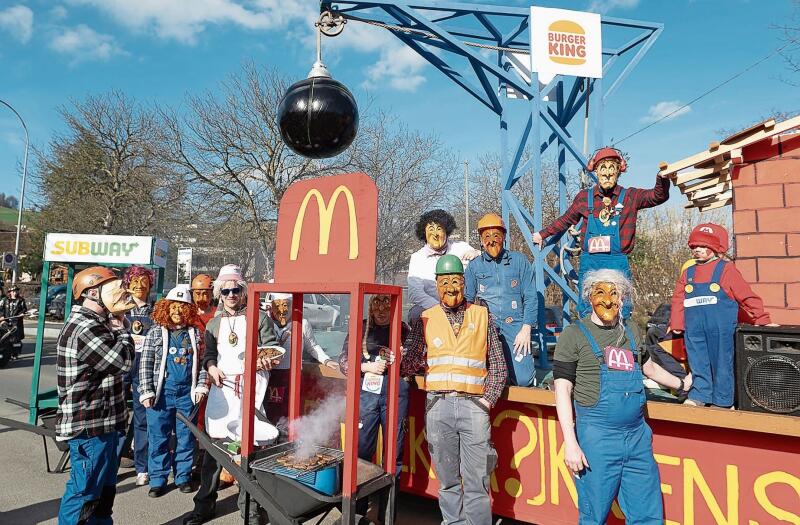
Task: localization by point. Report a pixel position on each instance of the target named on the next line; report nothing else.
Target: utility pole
(22, 193)
(466, 200)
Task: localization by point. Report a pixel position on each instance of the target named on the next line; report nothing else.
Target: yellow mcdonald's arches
(325, 218)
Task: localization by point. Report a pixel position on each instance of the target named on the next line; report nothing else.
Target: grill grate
(773, 383)
(272, 465)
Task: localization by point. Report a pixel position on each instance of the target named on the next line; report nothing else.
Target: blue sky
(52, 52)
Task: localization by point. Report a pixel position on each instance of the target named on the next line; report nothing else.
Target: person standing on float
(503, 278)
(609, 214)
(202, 293)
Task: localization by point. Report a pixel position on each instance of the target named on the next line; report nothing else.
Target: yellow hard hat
(491, 220)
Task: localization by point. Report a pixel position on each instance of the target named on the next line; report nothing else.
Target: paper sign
(566, 42)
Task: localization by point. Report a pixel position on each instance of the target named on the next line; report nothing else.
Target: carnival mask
(607, 172)
(202, 298)
(451, 289)
(492, 240)
(435, 235)
(177, 313)
(380, 309)
(606, 301)
(116, 298)
(281, 311)
(140, 287)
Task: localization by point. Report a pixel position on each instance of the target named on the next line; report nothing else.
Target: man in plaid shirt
(95, 350)
(609, 215)
(457, 343)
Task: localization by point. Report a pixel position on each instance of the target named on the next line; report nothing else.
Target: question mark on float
(512, 485)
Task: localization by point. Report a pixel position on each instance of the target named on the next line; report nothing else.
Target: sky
(53, 52)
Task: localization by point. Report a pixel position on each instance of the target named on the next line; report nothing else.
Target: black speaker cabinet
(768, 369)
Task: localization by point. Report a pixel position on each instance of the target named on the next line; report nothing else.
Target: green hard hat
(449, 264)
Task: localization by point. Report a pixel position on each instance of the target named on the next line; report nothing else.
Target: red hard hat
(608, 153)
(711, 236)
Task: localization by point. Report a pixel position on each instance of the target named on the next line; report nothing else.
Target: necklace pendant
(606, 201)
(604, 216)
(233, 339)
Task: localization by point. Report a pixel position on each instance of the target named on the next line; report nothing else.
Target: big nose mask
(604, 304)
(116, 298)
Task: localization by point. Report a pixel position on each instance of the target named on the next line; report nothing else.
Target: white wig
(624, 286)
(241, 284)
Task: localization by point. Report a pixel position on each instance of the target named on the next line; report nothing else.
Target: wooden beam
(725, 176)
(683, 178)
(708, 192)
(715, 205)
(736, 137)
(704, 203)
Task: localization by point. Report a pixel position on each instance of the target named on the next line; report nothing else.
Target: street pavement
(28, 494)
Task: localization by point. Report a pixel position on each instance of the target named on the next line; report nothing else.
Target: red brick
(747, 267)
(793, 244)
(763, 149)
(772, 294)
(744, 221)
(792, 192)
(789, 143)
(793, 295)
(744, 176)
(758, 197)
(779, 270)
(778, 171)
(783, 220)
(761, 245)
(784, 315)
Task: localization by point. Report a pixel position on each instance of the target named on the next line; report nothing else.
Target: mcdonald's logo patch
(618, 358)
(327, 230)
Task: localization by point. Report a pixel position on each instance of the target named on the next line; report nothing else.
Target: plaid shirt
(415, 359)
(92, 360)
(635, 200)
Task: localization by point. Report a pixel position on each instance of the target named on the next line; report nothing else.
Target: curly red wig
(161, 317)
(135, 271)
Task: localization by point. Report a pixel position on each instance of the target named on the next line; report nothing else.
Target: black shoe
(157, 492)
(186, 488)
(194, 518)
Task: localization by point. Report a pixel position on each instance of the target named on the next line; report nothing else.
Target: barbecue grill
(293, 495)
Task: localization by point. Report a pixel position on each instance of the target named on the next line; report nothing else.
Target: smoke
(318, 426)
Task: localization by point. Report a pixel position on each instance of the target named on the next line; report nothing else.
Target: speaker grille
(773, 383)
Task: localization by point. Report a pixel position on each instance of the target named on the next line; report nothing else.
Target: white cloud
(604, 6)
(59, 12)
(399, 66)
(668, 110)
(83, 43)
(18, 21)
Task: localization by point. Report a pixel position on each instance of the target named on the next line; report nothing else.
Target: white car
(320, 310)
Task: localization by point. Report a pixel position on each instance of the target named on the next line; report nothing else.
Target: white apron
(224, 407)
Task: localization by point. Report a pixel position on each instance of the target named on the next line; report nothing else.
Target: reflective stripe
(455, 360)
(458, 378)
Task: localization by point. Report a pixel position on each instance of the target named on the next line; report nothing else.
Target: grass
(9, 216)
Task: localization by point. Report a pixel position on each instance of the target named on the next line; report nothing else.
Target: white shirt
(422, 272)
(310, 345)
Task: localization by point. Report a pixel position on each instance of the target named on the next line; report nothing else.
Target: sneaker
(142, 479)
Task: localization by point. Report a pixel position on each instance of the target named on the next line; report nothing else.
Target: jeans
(162, 421)
(139, 421)
(89, 493)
(458, 439)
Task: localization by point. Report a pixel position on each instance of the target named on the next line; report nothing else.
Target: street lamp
(22, 193)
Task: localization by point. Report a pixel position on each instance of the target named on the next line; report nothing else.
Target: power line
(708, 92)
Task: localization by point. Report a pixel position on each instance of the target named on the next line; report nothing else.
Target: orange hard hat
(491, 220)
(91, 277)
(202, 281)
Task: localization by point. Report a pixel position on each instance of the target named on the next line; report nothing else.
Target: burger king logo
(566, 43)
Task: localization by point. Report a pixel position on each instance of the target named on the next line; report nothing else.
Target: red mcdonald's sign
(327, 230)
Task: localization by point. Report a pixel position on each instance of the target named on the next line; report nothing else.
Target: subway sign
(104, 249)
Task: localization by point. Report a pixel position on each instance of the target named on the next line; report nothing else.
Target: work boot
(195, 518)
(157, 492)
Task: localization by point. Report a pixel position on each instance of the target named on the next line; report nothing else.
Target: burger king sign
(566, 43)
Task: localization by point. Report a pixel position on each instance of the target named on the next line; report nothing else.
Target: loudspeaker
(768, 369)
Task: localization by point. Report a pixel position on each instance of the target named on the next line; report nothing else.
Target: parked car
(321, 310)
(57, 305)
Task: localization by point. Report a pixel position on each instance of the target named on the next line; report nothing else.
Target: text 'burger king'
(566, 43)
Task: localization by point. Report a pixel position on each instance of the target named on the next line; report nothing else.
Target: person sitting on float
(503, 278)
(598, 367)
(609, 226)
(138, 281)
(281, 312)
(224, 360)
(434, 228)
(456, 344)
(171, 382)
(710, 297)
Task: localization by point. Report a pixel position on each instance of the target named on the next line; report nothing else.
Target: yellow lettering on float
(558, 467)
(540, 498)
(512, 485)
(415, 449)
(58, 248)
(83, 248)
(760, 491)
(692, 476)
(666, 489)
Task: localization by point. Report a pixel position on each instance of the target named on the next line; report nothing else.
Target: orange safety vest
(456, 363)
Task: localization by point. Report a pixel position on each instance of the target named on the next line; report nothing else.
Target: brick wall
(766, 223)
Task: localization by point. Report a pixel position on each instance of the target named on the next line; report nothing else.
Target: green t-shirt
(573, 347)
